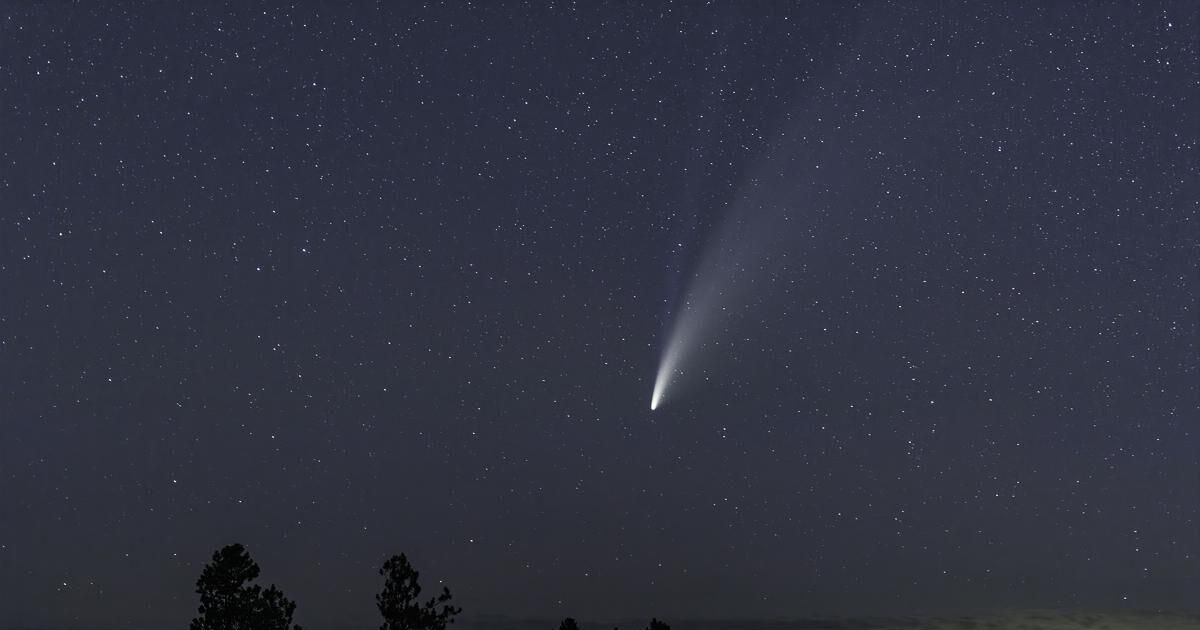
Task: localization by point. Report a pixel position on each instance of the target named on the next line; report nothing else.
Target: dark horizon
(918, 286)
(962, 619)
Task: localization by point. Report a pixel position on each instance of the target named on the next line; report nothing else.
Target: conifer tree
(399, 601)
(229, 602)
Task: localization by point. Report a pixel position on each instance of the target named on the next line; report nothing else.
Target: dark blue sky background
(342, 281)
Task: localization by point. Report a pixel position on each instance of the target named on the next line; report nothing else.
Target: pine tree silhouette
(228, 602)
(568, 624)
(399, 604)
(655, 624)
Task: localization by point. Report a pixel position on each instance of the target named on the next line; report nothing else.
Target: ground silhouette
(229, 600)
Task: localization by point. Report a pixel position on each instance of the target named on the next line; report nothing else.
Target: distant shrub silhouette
(655, 624)
(398, 601)
(228, 602)
(568, 624)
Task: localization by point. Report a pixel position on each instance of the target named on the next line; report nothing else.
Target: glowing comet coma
(666, 371)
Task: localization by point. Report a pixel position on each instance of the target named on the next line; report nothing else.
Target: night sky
(338, 282)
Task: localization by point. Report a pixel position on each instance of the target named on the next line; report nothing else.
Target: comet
(668, 370)
(727, 276)
(776, 210)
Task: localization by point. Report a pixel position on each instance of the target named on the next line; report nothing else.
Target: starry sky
(341, 281)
